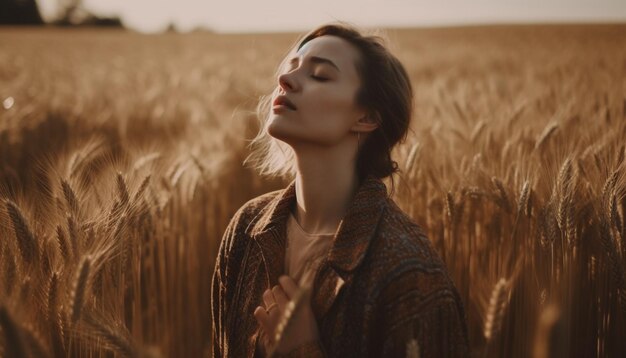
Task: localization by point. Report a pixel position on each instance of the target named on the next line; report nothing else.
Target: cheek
(334, 109)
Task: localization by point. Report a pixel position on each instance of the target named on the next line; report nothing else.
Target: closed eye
(318, 78)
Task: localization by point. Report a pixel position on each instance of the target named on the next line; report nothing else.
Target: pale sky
(293, 15)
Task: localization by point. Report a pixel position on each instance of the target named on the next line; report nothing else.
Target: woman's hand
(302, 327)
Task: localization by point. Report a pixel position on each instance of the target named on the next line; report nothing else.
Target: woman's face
(321, 82)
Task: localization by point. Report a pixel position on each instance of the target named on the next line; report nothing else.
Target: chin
(278, 131)
(293, 134)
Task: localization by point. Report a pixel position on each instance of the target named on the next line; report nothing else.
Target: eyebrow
(316, 59)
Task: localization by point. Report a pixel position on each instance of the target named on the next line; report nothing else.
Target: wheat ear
(521, 205)
(63, 245)
(142, 187)
(565, 184)
(546, 134)
(503, 198)
(495, 311)
(450, 207)
(80, 288)
(122, 190)
(294, 305)
(523, 198)
(614, 214)
(70, 196)
(73, 235)
(25, 239)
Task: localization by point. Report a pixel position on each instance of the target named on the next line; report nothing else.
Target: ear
(367, 123)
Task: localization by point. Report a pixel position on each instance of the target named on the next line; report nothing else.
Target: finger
(280, 297)
(273, 313)
(262, 317)
(268, 297)
(289, 285)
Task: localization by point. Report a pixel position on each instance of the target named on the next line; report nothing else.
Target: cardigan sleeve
(423, 322)
(218, 291)
(313, 349)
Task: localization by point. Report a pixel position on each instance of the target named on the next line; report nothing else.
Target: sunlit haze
(281, 15)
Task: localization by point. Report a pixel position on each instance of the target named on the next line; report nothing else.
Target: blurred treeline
(68, 13)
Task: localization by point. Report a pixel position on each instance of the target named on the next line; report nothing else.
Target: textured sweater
(381, 291)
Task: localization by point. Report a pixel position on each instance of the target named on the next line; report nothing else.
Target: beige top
(304, 251)
(303, 254)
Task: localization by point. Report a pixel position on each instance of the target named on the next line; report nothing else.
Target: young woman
(377, 287)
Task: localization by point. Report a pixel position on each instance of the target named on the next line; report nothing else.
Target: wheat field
(121, 165)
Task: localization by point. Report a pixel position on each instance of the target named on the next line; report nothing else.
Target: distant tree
(171, 28)
(19, 12)
(73, 13)
(104, 21)
(70, 12)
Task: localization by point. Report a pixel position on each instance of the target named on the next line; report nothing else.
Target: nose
(287, 83)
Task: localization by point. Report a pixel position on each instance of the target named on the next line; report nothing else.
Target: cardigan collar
(353, 235)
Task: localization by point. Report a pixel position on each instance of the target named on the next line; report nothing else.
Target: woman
(377, 287)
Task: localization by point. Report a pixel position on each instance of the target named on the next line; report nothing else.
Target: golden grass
(120, 166)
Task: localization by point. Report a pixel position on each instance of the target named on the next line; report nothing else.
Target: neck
(326, 183)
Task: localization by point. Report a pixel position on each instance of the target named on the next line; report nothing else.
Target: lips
(284, 101)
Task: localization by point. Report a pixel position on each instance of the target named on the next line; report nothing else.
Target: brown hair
(385, 92)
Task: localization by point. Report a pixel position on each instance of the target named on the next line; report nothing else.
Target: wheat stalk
(412, 158)
(552, 225)
(478, 129)
(13, 341)
(70, 196)
(54, 316)
(503, 198)
(298, 300)
(53, 300)
(566, 173)
(73, 235)
(548, 132)
(114, 213)
(25, 239)
(544, 335)
(495, 311)
(570, 223)
(63, 245)
(142, 187)
(47, 255)
(522, 205)
(10, 274)
(122, 190)
(412, 349)
(450, 207)
(34, 343)
(621, 153)
(459, 111)
(141, 161)
(614, 217)
(564, 183)
(25, 290)
(615, 263)
(74, 163)
(120, 343)
(80, 289)
(203, 170)
(608, 187)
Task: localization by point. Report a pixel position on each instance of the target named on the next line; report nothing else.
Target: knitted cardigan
(382, 289)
